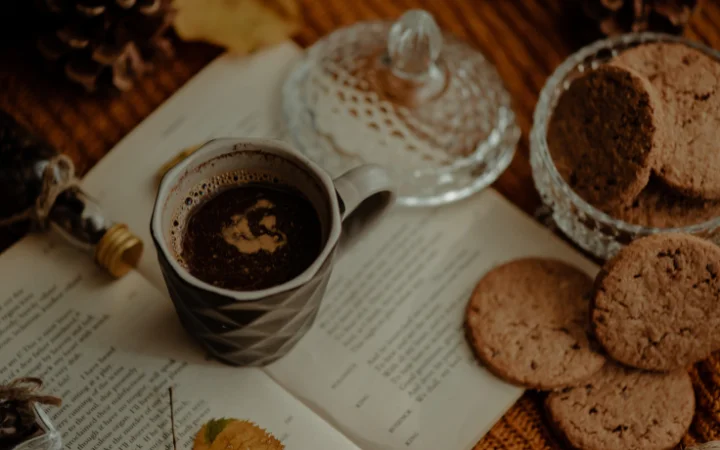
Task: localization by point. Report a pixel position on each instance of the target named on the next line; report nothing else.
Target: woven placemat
(526, 40)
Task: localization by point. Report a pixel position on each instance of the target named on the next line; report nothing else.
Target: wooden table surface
(525, 39)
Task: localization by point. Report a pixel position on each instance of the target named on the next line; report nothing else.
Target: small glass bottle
(47, 437)
(23, 423)
(40, 189)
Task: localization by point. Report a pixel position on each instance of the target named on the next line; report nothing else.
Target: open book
(385, 365)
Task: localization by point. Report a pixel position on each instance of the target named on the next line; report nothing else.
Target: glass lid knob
(414, 45)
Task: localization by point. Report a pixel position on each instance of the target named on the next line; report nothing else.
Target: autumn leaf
(233, 434)
(241, 26)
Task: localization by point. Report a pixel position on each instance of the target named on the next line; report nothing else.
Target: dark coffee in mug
(247, 231)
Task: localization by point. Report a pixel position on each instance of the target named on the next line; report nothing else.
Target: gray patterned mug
(256, 327)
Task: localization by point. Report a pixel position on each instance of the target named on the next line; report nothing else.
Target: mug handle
(365, 193)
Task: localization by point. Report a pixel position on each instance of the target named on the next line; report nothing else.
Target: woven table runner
(525, 39)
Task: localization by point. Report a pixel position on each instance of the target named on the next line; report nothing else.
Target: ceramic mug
(260, 326)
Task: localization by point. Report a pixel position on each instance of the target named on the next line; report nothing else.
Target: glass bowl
(590, 228)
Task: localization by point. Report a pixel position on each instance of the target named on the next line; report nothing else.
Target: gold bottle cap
(119, 250)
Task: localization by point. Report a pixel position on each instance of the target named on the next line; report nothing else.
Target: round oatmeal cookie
(623, 408)
(688, 81)
(662, 207)
(653, 59)
(527, 321)
(656, 305)
(603, 135)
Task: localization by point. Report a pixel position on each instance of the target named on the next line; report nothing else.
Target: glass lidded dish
(408, 97)
(589, 227)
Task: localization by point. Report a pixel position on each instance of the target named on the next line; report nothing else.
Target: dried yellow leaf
(240, 26)
(230, 434)
(201, 442)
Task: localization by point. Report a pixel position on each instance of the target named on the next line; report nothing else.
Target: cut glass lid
(403, 95)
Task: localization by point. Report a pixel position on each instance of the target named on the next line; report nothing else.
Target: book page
(386, 361)
(111, 348)
(232, 97)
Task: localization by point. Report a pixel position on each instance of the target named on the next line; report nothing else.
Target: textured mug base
(251, 333)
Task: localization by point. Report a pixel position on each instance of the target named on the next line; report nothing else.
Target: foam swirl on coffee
(239, 234)
(207, 190)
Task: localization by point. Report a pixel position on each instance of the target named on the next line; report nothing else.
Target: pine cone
(622, 16)
(104, 42)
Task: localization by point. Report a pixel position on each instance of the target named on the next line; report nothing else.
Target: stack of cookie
(639, 137)
(618, 380)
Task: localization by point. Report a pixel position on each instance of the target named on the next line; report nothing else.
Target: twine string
(24, 390)
(58, 176)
